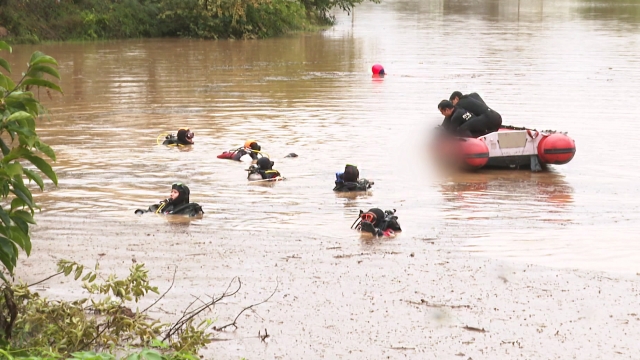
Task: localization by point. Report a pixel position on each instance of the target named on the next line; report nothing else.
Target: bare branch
(45, 279)
(247, 308)
(187, 316)
(175, 269)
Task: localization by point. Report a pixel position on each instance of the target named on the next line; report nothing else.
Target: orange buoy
(556, 149)
(474, 152)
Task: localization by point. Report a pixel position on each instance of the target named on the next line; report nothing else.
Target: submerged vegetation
(57, 20)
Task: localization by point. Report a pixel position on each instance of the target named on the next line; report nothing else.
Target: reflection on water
(623, 10)
(541, 64)
(489, 201)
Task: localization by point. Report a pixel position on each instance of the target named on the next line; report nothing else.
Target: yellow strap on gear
(160, 207)
(159, 136)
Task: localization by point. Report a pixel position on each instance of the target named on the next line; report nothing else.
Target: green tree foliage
(95, 327)
(321, 8)
(22, 151)
(37, 20)
(231, 18)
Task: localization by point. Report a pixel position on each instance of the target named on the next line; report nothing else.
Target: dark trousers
(481, 125)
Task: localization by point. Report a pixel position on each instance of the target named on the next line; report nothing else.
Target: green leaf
(15, 153)
(7, 83)
(147, 354)
(43, 83)
(13, 169)
(43, 166)
(46, 149)
(133, 357)
(3, 82)
(5, 64)
(17, 203)
(8, 253)
(5, 217)
(23, 240)
(37, 70)
(5, 46)
(6, 282)
(4, 147)
(32, 175)
(21, 225)
(40, 58)
(24, 215)
(23, 193)
(20, 116)
(78, 273)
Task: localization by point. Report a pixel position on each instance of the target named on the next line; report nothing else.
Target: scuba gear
(184, 137)
(360, 185)
(351, 173)
(166, 208)
(264, 168)
(349, 180)
(178, 206)
(377, 222)
(250, 147)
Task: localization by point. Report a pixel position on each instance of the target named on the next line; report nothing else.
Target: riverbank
(354, 297)
(26, 21)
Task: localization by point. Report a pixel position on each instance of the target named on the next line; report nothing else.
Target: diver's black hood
(351, 173)
(185, 136)
(265, 164)
(379, 215)
(183, 197)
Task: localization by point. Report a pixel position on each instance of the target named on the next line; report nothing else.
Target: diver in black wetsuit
(177, 203)
(457, 117)
(349, 180)
(250, 147)
(487, 120)
(457, 95)
(378, 222)
(184, 137)
(264, 167)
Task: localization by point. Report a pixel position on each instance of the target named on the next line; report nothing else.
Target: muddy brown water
(566, 65)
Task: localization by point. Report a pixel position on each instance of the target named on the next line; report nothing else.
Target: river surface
(568, 65)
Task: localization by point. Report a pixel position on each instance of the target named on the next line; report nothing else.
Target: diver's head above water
(185, 136)
(265, 164)
(179, 194)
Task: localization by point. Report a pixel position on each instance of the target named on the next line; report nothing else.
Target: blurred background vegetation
(33, 21)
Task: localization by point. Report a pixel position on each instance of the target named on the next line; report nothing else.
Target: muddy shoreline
(355, 297)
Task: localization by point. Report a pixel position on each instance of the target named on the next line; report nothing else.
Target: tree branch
(247, 308)
(45, 279)
(187, 316)
(175, 269)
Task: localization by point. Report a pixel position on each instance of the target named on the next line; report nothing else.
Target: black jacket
(472, 105)
(167, 208)
(459, 117)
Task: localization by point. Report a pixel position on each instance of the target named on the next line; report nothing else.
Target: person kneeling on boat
(184, 137)
(177, 203)
(349, 180)
(250, 147)
(378, 222)
(488, 120)
(263, 170)
(457, 95)
(456, 118)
